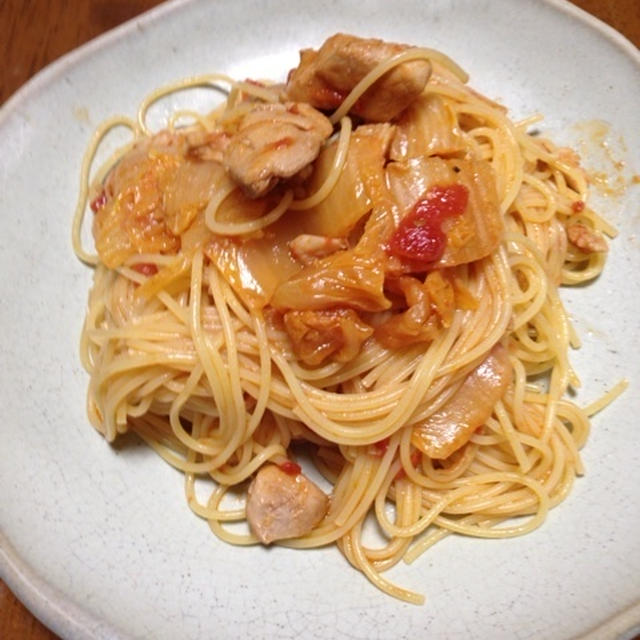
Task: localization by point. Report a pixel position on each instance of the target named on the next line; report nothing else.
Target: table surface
(39, 31)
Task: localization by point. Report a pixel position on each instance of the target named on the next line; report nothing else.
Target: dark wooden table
(36, 32)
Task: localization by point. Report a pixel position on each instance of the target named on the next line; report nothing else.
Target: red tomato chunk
(292, 468)
(419, 236)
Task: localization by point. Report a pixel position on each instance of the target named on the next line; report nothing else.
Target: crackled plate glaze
(98, 540)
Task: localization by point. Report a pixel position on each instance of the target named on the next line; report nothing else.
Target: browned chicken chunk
(430, 306)
(325, 77)
(274, 141)
(283, 505)
(327, 333)
(308, 247)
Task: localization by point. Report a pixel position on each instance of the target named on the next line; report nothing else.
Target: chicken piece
(283, 505)
(450, 427)
(325, 77)
(586, 239)
(306, 247)
(274, 141)
(318, 335)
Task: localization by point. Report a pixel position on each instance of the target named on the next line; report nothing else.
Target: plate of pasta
(327, 330)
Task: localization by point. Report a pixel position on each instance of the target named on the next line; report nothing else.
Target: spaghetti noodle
(206, 332)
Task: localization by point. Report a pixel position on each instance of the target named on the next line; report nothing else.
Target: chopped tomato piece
(291, 468)
(98, 202)
(420, 236)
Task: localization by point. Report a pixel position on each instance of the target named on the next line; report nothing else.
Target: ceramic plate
(98, 540)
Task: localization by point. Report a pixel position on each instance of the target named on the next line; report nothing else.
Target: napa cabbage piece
(353, 278)
(152, 196)
(355, 192)
(478, 230)
(132, 219)
(427, 127)
(188, 192)
(263, 269)
(470, 407)
(259, 265)
(256, 266)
